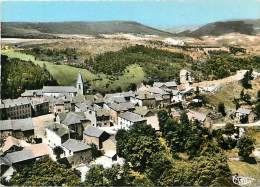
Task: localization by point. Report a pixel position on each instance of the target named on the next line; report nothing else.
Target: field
(66, 75)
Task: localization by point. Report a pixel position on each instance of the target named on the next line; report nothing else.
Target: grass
(245, 169)
(230, 91)
(67, 75)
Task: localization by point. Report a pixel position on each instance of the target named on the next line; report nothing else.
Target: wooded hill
(48, 29)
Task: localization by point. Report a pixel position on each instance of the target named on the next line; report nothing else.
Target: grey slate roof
(59, 129)
(156, 90)
(167, 84)
(72, 118)
(130, 116)
(59, 89)
(75, 145)
(17, 124)
(93, 131)
(121, 107)
(110, 97)
(143, 95)
(19, 156)
(31, 93)
(15, 102)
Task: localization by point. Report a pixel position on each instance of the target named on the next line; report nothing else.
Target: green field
(67, 75)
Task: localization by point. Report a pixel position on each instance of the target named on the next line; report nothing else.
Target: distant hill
(47, 29)
(249, 27)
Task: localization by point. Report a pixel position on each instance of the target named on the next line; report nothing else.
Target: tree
(95, 152)
(159, 163)
(163, 116)
(184, 118)
(138, 145)
(114, 176)
(44, 172)
(132, 87)
(245, 146)
(246, 81)
(58, 151)
(229, 129)
(221, 109)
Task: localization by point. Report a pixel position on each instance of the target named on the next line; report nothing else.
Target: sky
(155, 13)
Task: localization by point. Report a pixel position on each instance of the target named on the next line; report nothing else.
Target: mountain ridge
(49, 29)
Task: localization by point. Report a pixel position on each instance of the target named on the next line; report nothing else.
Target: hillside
(249, 27)
(48, 29)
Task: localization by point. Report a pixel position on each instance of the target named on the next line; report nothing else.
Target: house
(116, 109)
(77, 152)
(244, 115)
(19, 128)
(111, 154)
(39, 107)
(151, 118)
(16, 108)
(12, 144)
(162, 98)
(61, 104)
(172, 85)
(144, 98)
(56, 134)
(32, 93)
(109, 144)
(196, 116)
(127, 119)
(27, 155)
(95, 135)
(97, 116)
(75, 121)
(120, 97)
(57, 91)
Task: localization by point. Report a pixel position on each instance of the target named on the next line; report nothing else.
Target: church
(57, 91)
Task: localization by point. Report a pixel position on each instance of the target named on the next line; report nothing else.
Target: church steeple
(80, 84)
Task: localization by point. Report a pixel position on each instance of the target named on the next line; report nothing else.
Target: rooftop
(72, 118)
(122, 106)
(59, 129)
(59, 89)
(17, 124)
(93, 131)
(130, 116)
(75, 145)
(31, 93)
(167, 84)
(15, 102)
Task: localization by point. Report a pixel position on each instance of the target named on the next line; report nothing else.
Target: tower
(80, 84)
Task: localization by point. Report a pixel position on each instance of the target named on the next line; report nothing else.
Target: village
(67, 124)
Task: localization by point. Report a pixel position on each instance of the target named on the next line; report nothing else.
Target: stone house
(19, 108)
(116, 109)
(77, 152)
(244, 115)
(75, 121)
(18, 128)
(96, 136)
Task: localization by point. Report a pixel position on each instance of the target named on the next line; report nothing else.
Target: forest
(18, 75)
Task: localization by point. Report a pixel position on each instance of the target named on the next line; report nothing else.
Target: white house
(56, 134)
(127, 119)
